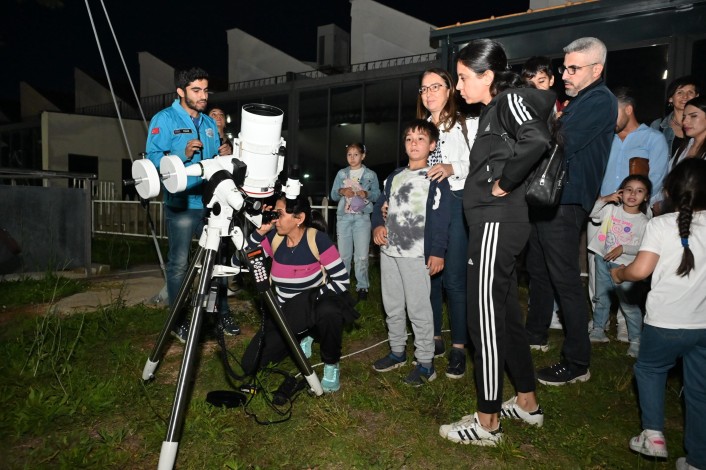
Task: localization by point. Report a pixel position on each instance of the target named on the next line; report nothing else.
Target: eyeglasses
(434, 87)
(571, 69)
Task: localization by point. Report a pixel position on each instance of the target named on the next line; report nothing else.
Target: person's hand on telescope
(225, 149)
(192, 146)
(264, 228)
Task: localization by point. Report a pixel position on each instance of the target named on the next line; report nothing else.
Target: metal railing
(128, 218)
(152, 104)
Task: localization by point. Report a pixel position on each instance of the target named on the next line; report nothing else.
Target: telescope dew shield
(258, 146)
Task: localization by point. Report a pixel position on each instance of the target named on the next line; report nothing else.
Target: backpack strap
(310, 238)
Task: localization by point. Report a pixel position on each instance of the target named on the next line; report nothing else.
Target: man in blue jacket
(586, 128)
(183, 130)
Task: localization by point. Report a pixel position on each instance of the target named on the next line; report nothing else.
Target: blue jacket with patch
(436, 230)
(170, 130)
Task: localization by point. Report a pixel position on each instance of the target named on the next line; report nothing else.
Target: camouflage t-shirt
(406, 215)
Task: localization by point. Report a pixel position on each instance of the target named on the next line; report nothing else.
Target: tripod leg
(299, 358)
(158, 350)
(176, 420)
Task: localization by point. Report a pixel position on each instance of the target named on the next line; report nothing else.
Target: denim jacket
(369, 182)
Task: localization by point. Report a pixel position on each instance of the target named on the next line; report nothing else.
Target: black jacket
(522, 113)
(587, 126)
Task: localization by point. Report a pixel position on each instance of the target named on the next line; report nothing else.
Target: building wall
(250, 58)
(378, 32)
(93, 136)
(156, 77)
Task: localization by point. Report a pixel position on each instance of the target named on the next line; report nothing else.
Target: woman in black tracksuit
(512, 137)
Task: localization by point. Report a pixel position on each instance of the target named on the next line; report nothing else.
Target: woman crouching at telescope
(311, 285)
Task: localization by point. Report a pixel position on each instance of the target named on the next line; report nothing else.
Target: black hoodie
(522, 113)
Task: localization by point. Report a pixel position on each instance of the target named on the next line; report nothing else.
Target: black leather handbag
(545, 183)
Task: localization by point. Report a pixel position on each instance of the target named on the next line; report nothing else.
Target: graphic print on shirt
(616, 231)
(407, 214)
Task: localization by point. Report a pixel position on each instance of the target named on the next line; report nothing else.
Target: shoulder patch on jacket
(155, 130)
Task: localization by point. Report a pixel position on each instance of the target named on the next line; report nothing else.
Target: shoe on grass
(597, 335)
(287, 390)
(469, 431)
(510, 409)
(330, 382)
(650, 443)
(389, 363)
(420, 375)
(563, 373)
(305, 344)
(362, 295)
(182, 333)
(457, 363)
(229, 326)
(543, 347)
(682, 464)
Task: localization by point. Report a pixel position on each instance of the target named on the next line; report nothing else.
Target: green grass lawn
(72, 397)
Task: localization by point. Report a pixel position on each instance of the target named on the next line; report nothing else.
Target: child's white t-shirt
(617, 228)
(676, 302)
(406, 216)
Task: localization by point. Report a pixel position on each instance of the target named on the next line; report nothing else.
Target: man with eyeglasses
(586, 129)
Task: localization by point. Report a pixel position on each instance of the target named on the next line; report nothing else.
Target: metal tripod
(203, 265)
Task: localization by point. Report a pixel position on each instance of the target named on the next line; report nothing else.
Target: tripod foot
(167, 455)
(315, 384)
(148, 371)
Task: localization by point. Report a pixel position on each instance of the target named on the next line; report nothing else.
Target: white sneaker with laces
(651, 443)
(512, 410)
(469, 431)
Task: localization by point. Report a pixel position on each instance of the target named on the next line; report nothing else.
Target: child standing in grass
(412, 243)
(356, 189)
(622, 220)
(673, 251)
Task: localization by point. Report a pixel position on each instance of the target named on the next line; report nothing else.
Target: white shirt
(454, 150)
(676, 302)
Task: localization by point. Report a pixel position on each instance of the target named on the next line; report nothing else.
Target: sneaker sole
(599, 341)
(480, 442)
(580, 378)
(645, 451)
(453, 376)
(539, 347)
(177, 337)
(392, 367)
(425, 381)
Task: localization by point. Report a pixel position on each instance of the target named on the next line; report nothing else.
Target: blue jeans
(353, 231)
(182, 226)
(628, 294)
(453, 277)
(659, 350)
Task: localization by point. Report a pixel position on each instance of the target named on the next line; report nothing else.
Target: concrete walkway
(132, 287)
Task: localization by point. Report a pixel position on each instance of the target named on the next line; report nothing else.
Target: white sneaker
(682, 464)
(651, 443)
(512, 410)
(469, 431)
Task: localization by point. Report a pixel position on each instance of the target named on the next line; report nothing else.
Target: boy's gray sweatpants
(406, 283)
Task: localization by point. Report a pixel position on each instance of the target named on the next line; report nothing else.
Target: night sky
(41, 45)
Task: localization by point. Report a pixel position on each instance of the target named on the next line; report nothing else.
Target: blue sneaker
(420, 375)
(389, 362)
(330, 383)
(305, 344)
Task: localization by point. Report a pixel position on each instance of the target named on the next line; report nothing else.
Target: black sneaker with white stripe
(469, 431)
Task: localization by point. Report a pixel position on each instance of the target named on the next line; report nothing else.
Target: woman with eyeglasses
(512, 137)
(679, 92)
(449, 160)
